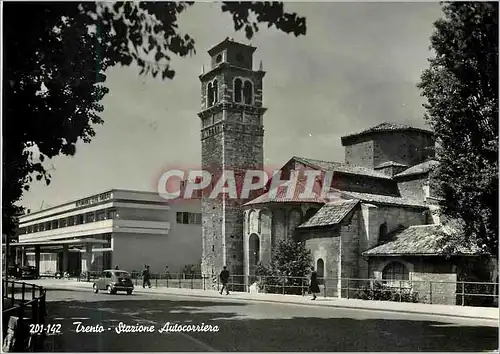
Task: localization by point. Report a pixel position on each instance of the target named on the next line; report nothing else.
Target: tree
(54, 71)
(461, 88)
(290, 264)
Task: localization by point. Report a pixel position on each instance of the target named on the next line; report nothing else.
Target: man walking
(146, 276)
(224, 278)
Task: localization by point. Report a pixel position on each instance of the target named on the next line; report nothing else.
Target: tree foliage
(290, 263)
(55, 57)
(291, 258)
(461, 88)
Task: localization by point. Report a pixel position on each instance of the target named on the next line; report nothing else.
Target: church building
(382, 224)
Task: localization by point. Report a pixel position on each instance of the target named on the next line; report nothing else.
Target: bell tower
(232, 138)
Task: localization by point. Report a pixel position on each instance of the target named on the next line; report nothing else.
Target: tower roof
(230, 43)
(384, 127)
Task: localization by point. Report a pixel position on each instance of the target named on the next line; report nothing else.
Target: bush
(289, 266)
(381, 292)
(476, 294)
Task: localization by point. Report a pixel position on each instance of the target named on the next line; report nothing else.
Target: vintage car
(114, 280)
(28, 272)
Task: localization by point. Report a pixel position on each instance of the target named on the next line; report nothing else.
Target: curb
(299, 304)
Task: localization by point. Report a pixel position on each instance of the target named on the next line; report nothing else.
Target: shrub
(476, 294)
(289, 266)
(381, 292)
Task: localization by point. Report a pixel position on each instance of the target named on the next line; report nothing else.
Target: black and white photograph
(250, 176)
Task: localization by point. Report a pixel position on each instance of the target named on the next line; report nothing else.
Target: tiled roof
(384, 199)
(390, 164)
(385, 127)
(418, 240)
(340, 167)
(421, 168)
(279, 194)
(331, 213)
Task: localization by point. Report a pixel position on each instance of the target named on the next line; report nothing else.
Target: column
(23, 257)
(37, 260)
(88, 259)
(65, 255)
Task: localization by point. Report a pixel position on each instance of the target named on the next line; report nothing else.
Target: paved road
(246, 326)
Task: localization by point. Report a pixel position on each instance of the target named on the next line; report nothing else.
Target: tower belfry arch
(232, 137)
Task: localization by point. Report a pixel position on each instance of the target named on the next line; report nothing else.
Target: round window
(239, 57)
(219, 58)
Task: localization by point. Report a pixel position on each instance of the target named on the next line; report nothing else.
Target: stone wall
(367, 228)
(360, 153)
(232, 139)
(211, 209)
(279, 225)
(434, 279)
(375, 215)
(325, 244)
(364, 184)
(413, 187)
(409, 148)
(272, 224)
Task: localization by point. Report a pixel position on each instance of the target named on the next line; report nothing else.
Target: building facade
(231, 139)
(383, 195)
(116, 228)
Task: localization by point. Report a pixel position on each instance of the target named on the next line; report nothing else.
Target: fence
(24, 315)
(431, 292)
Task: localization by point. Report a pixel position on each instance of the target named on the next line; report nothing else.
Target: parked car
(114, 280)
(13, 271)
(28, 272)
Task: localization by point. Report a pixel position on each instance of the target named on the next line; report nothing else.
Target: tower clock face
(219, 58)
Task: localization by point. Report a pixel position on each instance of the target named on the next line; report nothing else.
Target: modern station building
(121, 228)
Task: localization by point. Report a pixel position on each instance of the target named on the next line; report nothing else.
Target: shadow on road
(250, 327)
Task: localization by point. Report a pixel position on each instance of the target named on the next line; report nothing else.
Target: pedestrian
(313, 284)
(224, 278)
(116, 268)
(167, 272)
(146, 276)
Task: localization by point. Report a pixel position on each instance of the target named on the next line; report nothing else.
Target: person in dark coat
(146, 276)
(313, 284)
(224, 279)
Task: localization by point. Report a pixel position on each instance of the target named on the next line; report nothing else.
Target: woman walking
(313, 284)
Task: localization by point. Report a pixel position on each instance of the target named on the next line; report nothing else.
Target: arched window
(320, 269)
(248, 221)
(251, 221)
(253, 252)
(215, 93)
(210, 94)
(382, 232)
(247, 92)
(394, 273)
(237, 90)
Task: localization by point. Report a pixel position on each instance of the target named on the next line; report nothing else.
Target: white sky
(356, 67)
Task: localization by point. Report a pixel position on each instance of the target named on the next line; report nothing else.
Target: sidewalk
(483, 313)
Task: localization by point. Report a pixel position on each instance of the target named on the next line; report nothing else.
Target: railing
(24, 315)
(430, 292)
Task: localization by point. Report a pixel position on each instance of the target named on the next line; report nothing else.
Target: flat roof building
(122, 228)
